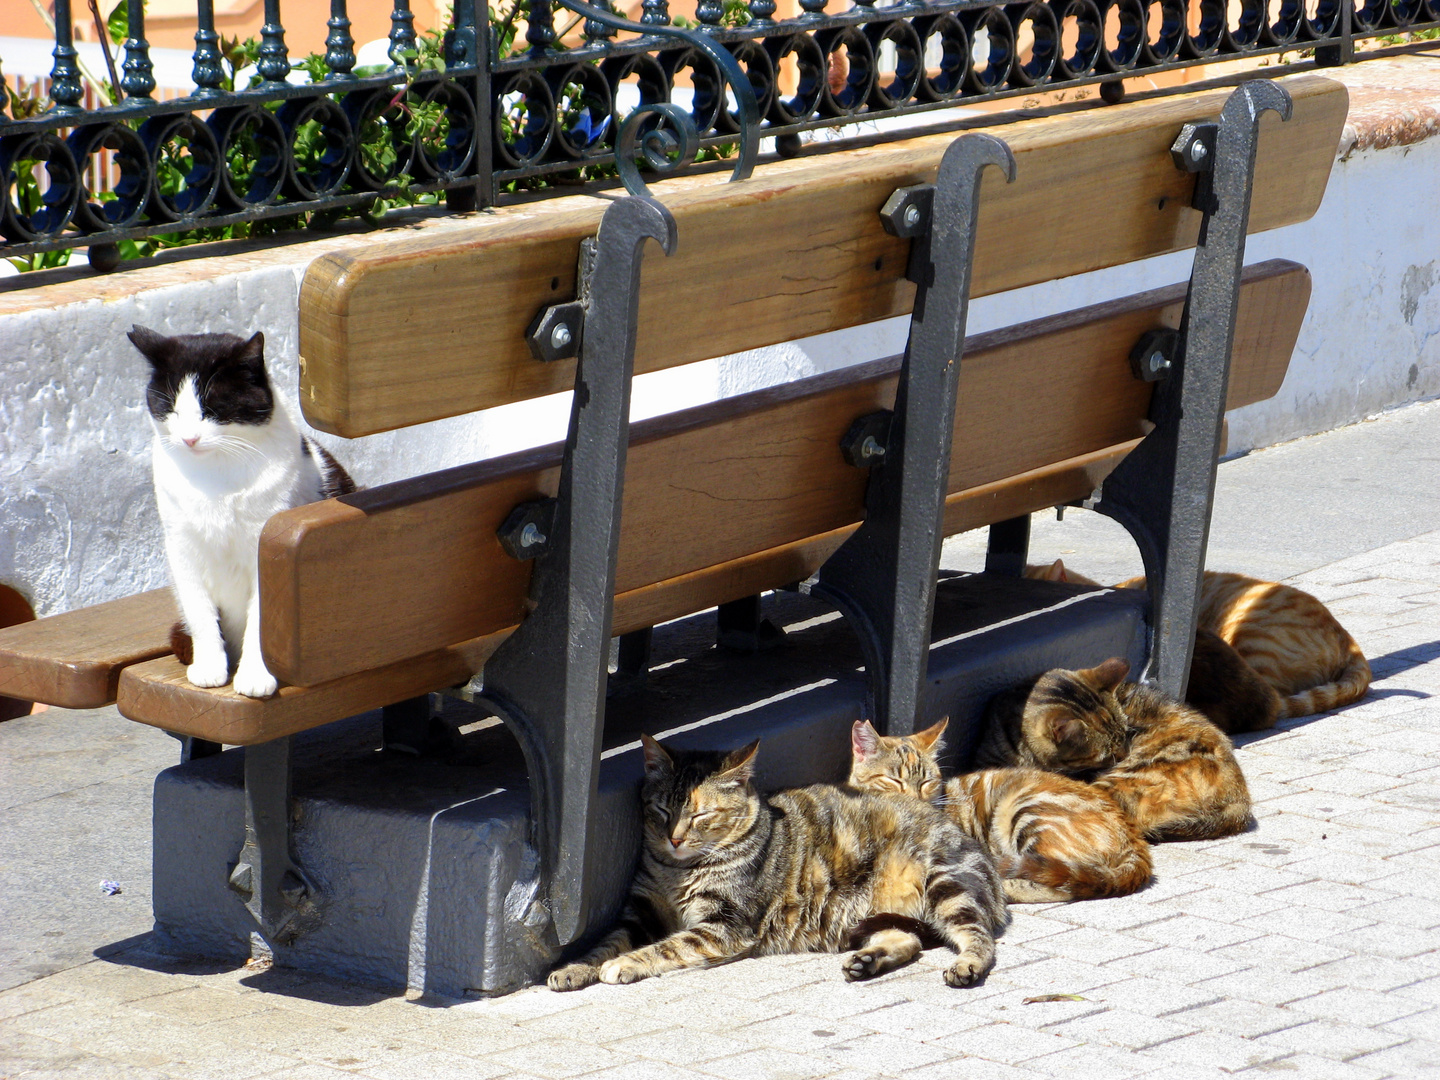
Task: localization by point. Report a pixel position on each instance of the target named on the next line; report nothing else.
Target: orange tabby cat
(1288, 638)
(1052, 838)
(1170, 770)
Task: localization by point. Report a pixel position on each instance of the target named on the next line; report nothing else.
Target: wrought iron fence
(494, 108)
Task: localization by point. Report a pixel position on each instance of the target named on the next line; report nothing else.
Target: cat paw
(865, 964)
(966, 971)
(572, 977)
(208, 671)
(621, 970)
(252, 680)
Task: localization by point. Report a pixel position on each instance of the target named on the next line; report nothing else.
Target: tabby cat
(1168, 768)
(1052, 838)
(1286, 636)
(725, 873)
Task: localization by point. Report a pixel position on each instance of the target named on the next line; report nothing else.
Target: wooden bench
(374, 598)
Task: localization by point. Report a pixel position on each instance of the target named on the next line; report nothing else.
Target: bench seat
(74, 660)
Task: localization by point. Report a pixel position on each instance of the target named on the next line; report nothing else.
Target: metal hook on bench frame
(883, 576)
(547, 680)
(1162, 492)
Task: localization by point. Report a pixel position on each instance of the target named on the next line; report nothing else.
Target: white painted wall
(77, 516)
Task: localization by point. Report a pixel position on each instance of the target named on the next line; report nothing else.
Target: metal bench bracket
(1163, 491)
(548, 680)
(883, 577)
(274, 888)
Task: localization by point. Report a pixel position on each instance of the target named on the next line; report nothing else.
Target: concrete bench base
(426, 878)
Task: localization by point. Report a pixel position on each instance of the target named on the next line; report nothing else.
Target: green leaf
(118, 24)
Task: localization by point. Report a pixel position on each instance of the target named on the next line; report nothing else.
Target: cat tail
(1349, 685)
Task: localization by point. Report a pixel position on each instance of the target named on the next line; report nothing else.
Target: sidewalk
(1309, 947)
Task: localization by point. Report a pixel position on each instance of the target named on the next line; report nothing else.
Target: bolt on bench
(498, 577)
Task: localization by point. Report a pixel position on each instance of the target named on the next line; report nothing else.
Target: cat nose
(191, 440)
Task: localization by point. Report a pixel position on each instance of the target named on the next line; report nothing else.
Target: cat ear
(1110, 674)
(1057, 571)
(739, 765)
(658, 762)
(929, 740)
(252, 351)
(156, 348)
(1066, 729)
(864, 740)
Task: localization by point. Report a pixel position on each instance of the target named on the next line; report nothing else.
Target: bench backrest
(415, 331)
(738, 496)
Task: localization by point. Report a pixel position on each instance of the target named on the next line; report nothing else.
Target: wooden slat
(416, 330)
(369, 579)
(158, 693)
(74, 660)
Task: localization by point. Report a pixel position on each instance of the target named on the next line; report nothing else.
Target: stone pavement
(1309, 947)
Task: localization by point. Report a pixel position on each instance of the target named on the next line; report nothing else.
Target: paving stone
(1424, 1026)
(1309, 1067)
(595, 1021)
(440, 1065)
(1229, 1052)
(1118, 914)
(889, 1054)
(1270, 986)
(722, 1014)
(769, 1065)
(1414, 1060)
(1331, 896)
(1151, 997)
(1246, 877)
(1333, 1039)
(1349, 869)
(1317, 923)
(1007, 1043)
(1413, 911)
(1088, 945)
(920, 1021)
(1120, 1027)
(681, 1045)
(1194, 932)
(973, 1068)
(1386, 939)
(1093, 1062)
(799, 1033)
(559, 1059)
(1357, 1006)
(1187, 965)
(836, 999)
(1368, 972)
(645, 1070)
(1281, 953)
(1426, 990)
(1240, 1017)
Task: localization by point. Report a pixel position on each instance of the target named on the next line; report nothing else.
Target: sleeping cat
(1285, 635)
(227, 455)
(1052, 838)
(1170, 770)
(726, 873)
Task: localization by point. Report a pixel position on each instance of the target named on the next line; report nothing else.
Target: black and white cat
(227, 455)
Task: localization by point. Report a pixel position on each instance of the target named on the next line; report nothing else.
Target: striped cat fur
(726, 873)
(1285, 635)
(1169, 769)
(1053, 838)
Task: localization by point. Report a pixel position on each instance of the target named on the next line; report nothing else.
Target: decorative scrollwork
(747, 112)
(666, 147)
